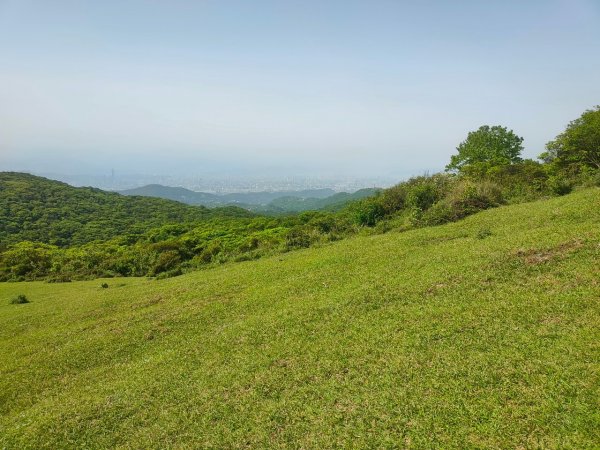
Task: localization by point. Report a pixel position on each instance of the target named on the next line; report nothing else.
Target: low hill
(38, 209)
(178, 194)
(247, 199)
(477, 334)
(334, 202)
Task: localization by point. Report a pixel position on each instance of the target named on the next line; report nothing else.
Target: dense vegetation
(51, 226)
(37, 209)
(476, 334)
(335, 202)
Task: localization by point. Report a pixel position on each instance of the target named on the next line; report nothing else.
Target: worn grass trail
(477, 334)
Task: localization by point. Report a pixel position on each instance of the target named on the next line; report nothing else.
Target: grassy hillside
(476, 334)
(38, 209)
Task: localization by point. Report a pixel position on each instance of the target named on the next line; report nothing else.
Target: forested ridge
(38, 209)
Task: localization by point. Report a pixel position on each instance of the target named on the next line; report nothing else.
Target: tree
(578, 147)
(485, 148)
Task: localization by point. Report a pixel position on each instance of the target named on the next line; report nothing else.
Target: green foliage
(298, 238)
(26, 260)
(485, 149)
(37, 209)
(335, 202)
(422, 196)
(368, 212)
(463, 199)
(19, 300)
(559, 185)
(578, 147)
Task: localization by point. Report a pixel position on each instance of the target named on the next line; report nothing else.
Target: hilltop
(38, 209)
(267, 202)
(477, 334)
(188, 196)
(335, 202)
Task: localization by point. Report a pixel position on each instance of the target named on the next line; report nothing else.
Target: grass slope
(429, 338)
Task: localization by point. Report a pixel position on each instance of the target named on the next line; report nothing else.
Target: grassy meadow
(484, 333)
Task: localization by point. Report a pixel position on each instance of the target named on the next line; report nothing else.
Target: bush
(297, 238)
(464, 199)
(394, 198)
(421, 196)
(19, 300)
(166, 261)
(590, 178)
(483, 233)
(369, 212)
(559, 185)
(440, 213)
(104, 285)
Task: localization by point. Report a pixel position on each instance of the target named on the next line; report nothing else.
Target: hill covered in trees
(38, 209)
(335, 202)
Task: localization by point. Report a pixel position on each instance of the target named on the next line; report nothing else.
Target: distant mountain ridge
(265, 201)
(188, 196)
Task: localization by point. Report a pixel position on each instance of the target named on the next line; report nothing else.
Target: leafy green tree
(578, 147)
(485, 148)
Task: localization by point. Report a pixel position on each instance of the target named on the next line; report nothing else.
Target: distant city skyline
(219, 184)
(378, 89)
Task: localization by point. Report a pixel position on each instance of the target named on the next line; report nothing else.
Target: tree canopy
(578, 147)
(487, 147)
(37, 209)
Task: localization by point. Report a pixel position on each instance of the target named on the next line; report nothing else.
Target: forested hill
(248, 199)
(332, 203)
(38, 209)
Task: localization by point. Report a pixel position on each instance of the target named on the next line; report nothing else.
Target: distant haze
(278, 88)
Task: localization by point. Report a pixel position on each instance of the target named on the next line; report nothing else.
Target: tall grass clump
(19, 300)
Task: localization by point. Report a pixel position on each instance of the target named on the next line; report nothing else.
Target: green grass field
(479, 334)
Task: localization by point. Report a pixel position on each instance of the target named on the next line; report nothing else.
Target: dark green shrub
(393, 199)
(104, 285)
(559, 185)
(440, 213)
(421, 196)
(19, 300)
(464, 199)
(166, 261)
(590, 178)
(483, 233)
(210, 252)
(297, 238)
(369, 212)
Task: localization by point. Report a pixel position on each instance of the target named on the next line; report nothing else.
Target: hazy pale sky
(328, 87)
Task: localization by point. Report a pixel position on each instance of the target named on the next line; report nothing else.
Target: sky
(350, 88)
